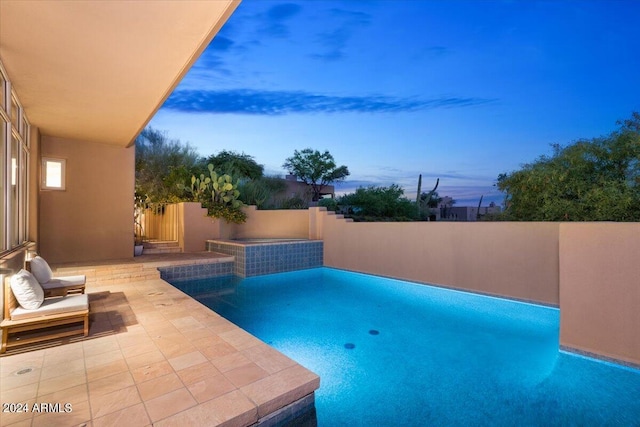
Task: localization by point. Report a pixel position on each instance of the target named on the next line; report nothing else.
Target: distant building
(299, 193)
(297, 188)
(445, 202)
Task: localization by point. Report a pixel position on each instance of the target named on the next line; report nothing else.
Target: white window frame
(63, 173)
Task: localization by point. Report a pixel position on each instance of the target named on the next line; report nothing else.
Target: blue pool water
(396, 353)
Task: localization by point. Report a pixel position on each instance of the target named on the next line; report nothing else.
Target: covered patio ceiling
(98, 70)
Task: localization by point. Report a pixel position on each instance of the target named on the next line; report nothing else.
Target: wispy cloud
(436, 51)
(271, 103)
(213, 61)
(334, 40)
(275, 19)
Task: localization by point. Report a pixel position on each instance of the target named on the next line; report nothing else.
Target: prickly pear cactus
(219, 194)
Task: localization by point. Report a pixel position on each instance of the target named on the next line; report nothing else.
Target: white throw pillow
(41, 270)
(27, 290)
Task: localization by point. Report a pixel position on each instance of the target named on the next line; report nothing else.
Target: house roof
(99, 70)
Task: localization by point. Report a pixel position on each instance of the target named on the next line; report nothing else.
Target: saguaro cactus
(428, 196)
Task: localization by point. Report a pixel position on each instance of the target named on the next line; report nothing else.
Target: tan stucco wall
(93, 218)
(600, 288)
(195, 227)
(517, 260)
(286, 223)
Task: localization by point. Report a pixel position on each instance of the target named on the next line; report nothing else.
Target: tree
(315, 169)
(379, 204)
(162, 164)
(589, 180)
(235, 164)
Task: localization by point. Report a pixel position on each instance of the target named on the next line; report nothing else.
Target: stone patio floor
(154, 356)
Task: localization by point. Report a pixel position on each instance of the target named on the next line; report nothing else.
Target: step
(154, 247)
(160, 244)
(161, 250)
(117, 273)
(142, 268)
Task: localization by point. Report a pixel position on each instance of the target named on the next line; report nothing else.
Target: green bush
(330, 204)
(226, 212)
(294, 203)
(261, 192)
(379, 204)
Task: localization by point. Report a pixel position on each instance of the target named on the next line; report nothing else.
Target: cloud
(213, 60)
(334, 40)
(275, 19)
(272, 103)
(436, 51)
(221, 44)
(282, 12)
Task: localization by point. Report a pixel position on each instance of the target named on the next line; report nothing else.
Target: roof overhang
(99, 70)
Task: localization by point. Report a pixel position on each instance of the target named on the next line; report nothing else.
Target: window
(53, 174)
(3, 191)
(3, 91)
(14, 192)
(15, 112)
(14, 168)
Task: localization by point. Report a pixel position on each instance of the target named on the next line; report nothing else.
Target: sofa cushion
(40, 269)
(64, 282)
(27, 290)
(51, 306)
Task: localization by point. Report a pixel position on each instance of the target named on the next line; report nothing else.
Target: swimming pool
(396, 353)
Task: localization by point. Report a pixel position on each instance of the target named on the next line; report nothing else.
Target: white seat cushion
(40, 269)
(51, 306)
(27, 290)
(64, 281)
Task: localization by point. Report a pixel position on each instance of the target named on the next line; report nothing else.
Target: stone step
(154, 247)
(122, 273)
(144, 268)
(161, 250)
(160, 244)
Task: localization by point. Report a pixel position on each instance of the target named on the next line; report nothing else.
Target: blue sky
(456, 90)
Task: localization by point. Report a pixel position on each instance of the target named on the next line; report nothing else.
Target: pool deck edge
(156, 352)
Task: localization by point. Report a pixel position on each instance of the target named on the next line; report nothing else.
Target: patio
(154, 356)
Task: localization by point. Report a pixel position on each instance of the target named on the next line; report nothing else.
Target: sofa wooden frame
(59, 289)
(36, 323)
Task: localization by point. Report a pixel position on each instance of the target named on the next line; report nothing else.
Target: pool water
(392, 353)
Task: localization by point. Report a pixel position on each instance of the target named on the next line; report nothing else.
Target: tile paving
(154, 357)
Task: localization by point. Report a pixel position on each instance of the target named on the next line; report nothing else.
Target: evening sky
(456, 90)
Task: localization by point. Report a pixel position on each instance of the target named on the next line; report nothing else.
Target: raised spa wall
(257, 258)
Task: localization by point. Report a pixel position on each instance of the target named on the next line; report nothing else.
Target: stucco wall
(195, 227)
(600, 288)
(518, 260)
(292, 224)
(93, 218)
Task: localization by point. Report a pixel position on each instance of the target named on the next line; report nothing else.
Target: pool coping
(144, 335)
(236, 242)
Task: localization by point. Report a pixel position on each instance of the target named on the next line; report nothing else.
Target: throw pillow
(41, 270)
(27, 290)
